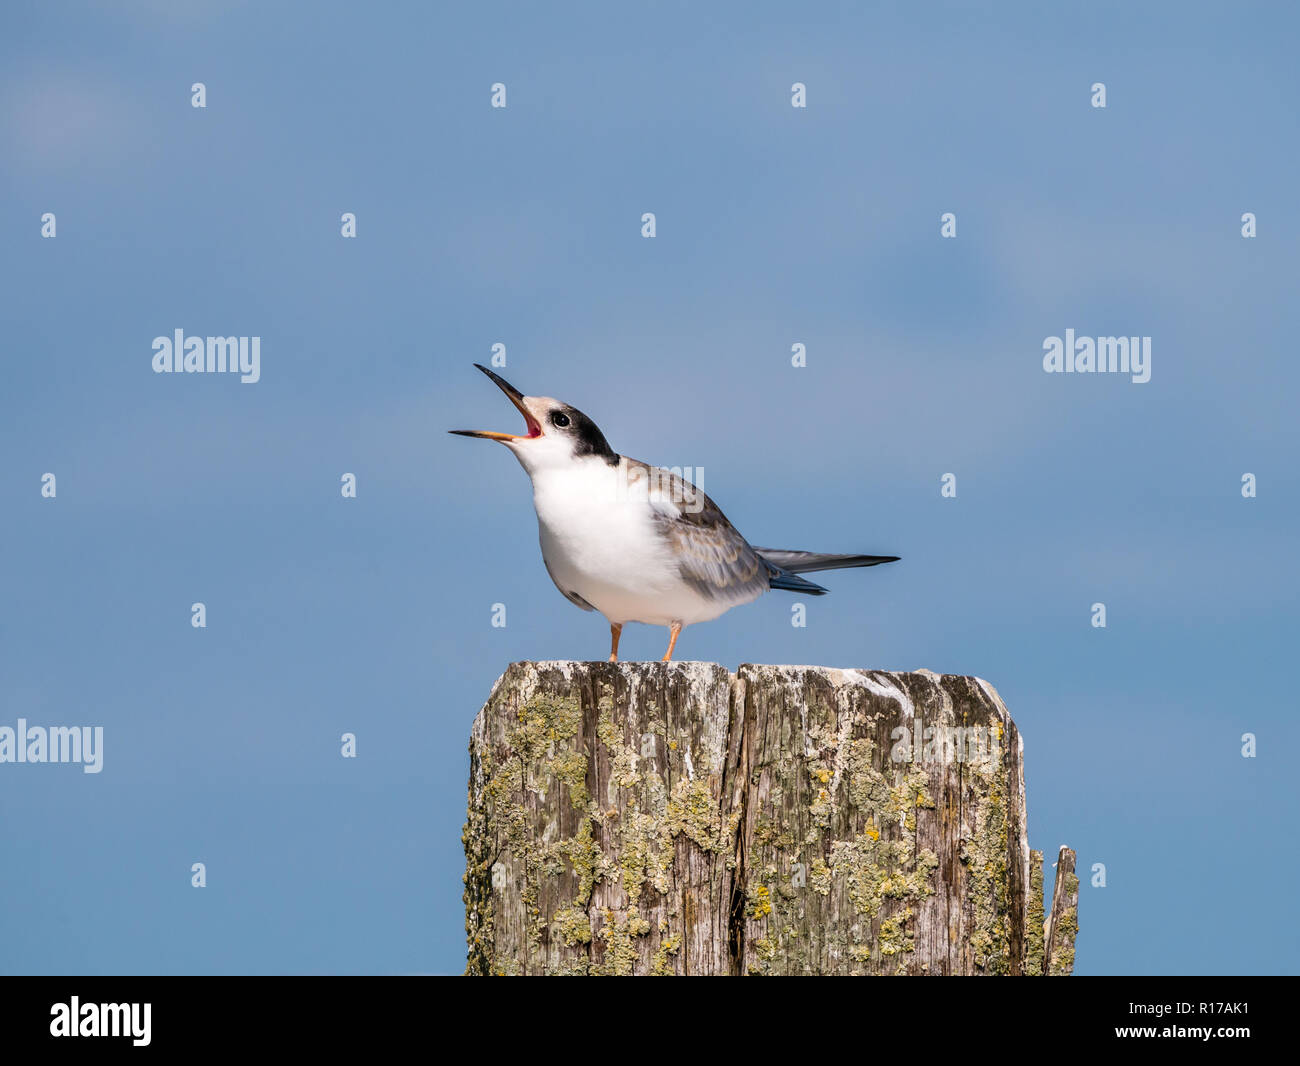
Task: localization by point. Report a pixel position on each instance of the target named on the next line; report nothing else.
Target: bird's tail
(795, 562)
(783, 579)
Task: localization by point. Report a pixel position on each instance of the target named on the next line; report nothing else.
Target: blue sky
(522, 226)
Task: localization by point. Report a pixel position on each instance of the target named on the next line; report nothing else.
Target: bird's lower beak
(516, 398)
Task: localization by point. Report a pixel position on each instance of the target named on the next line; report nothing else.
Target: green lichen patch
(1067, 928)
(985, 856)
(619, 931)
(694, 810)
(868, 787)
(573, 926)
(645, 852)
(1035, 931)
(661, 965)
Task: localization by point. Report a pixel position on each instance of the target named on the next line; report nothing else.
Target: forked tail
(788, 564)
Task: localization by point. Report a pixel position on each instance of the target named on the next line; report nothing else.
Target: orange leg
(615, 631)
(674, 631)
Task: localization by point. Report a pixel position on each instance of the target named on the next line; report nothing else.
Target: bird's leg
(615, 631)
(674, 631)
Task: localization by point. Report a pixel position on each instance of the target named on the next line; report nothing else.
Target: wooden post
(1063, 925)
(673, 818)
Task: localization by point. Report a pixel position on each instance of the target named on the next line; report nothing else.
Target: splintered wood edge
(1063, 923)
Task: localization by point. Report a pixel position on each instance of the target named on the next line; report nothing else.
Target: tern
(635, 542)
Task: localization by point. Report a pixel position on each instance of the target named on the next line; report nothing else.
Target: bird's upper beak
(516, 398)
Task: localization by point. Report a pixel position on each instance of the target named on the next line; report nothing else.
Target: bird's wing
(797, 562)
(713, 557)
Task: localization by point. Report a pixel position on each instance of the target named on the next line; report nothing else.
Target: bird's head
(557, 434)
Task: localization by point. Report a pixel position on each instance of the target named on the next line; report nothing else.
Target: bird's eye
(559, 418)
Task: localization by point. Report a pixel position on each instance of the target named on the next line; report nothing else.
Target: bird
(635, 542)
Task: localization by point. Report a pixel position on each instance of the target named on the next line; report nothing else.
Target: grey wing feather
(797, 562)
(715, 559)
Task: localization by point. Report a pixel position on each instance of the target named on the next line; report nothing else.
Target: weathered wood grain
(1063, 923)
(1035, 924)
(676, 819)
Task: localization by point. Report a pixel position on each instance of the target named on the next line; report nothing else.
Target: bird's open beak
(516, 398)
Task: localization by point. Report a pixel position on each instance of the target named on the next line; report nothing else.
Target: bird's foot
(674, 631)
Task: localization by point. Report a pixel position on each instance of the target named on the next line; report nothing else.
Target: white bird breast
(597, 528)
